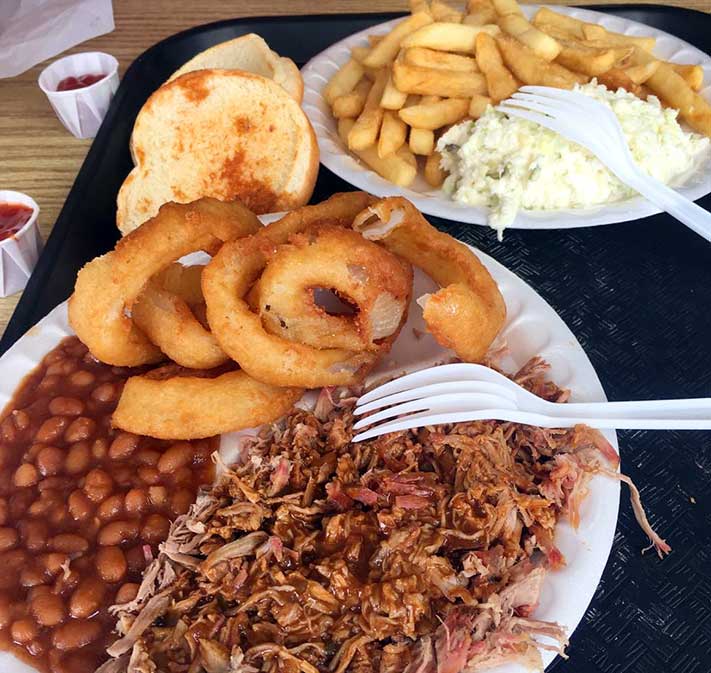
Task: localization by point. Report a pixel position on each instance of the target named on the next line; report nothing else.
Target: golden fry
(616, 78)
(478, 105)
(559, 24)
(431, 58)
(430, 81)
(365, 130)
(386, 50)
(359, 53)
(422, 141)
(392, 98)
(693, 75)
(351, 104)
(395, 168)
(641, 72)
(343, 81)
(435, 115)
(504, 7)
(448, 36)
(393, 134)
(537, 41)
(579, 57)
(441, 11)
(674, 91)
(499, 80)
(434, 173)
(531, 69)
(419, 6)
(479, 13)
(594, 32)
(375, 39)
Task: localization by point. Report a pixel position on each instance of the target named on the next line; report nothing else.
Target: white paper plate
(532, 328)
(336, 157)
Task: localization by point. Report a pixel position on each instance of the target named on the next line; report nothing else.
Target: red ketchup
(70, 83)
(13, 216)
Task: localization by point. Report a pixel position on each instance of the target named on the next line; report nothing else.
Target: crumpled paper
(34, 30)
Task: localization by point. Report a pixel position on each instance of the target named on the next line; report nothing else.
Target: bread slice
(251, 54)
(221, 133)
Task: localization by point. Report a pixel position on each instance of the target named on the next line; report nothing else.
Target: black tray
(635, 294)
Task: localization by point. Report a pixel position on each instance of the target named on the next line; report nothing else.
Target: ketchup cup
(81, 110)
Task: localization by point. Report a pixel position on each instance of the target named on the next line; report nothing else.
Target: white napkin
(34, 30)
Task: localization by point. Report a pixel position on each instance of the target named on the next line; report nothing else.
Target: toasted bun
(221, 133)
(251, 54)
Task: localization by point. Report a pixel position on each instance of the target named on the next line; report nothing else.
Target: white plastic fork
(468, 392)
(593, 125)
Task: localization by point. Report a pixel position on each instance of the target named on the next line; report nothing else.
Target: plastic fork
(468, 392)
(589, 123)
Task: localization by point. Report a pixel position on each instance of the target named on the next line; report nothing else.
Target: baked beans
(83, 508)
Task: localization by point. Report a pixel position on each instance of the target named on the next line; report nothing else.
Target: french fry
(435, 115)
(375, 39)
(419, 6)
(594, 32)
(393, 134)
(365, 130)
(499, 80)
(547, 20)
(531, 69)
(431, 81)
(579, 57)
(448, 36)
(537, 41)
(396, 167)
(478, 105)
(422, 141)
(392, 98)
(351, 104)
(431, 58)
(479, 13)
(675, 92)
(505, 7)
(616, 78)
(386, 50)
(441, 11)
(343, 81)
(693, 75)
(359, 53)
(434, 173)
(641, 72)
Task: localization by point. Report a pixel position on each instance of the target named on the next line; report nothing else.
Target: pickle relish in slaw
(506, 163)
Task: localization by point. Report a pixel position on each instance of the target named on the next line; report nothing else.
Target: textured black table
(637, 295)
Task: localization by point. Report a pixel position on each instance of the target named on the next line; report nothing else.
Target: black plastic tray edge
(17, 325)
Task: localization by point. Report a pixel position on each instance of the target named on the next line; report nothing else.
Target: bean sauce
(83, 508)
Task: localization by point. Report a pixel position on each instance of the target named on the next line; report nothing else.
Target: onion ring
(469, 311)
(108, 286)
(362, 273)
(169, 321)
(230, 275)
(192, 407)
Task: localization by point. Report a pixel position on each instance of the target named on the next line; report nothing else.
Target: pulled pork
(417, 552)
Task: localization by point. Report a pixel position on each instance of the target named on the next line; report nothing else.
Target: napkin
(34, 30)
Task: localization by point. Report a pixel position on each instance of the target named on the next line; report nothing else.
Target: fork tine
(439, 374)
(451, 401)
(424, 419)
(436, 389)
(535, 117)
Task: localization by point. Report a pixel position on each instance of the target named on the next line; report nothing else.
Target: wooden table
(39, 157)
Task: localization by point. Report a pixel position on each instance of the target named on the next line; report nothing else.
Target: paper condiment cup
(81, 110)
(19, 253)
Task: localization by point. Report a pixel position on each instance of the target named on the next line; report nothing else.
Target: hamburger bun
(221, 133)
(251, 54)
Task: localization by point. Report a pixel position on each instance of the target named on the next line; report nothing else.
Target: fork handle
(692, 409)
(683, 209)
